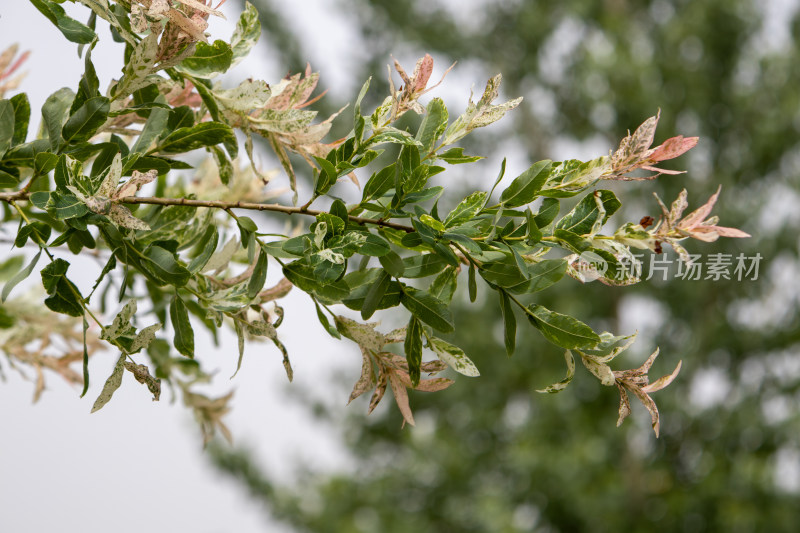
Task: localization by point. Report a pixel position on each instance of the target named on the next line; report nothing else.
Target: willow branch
(217, 204)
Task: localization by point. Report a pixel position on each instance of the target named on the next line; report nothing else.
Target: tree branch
(216, 204)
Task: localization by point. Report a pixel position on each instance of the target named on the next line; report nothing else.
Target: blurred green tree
(504, 458)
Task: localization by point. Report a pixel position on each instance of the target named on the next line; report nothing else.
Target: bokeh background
(491, 454)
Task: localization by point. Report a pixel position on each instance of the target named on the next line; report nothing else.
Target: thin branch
(216, 204)
(278, 291)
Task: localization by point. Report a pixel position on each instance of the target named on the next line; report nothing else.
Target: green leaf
(375, 246)
(180, 117)
(431, 193)
(38, 232)
(420, 266)
(24, 155)
(259, 276)
(304, 278)
(454, 357)
(198, 136)
(339, 209)
(64, 295)
(509, 321)
(326, 177)
(466, 209)
(54, 113)
(444, 285)
(358, 119)
(473, 286)
(6, 126)
(431, 222)
(207, 246)
(525, 187)
(374, 295)
(428, 309)
(455, 156)
(21, 275)
(413, 349)
(532, 235)
(247, 224)
(209, 100)
(571, 241)
(8, 181)
(379, 183)
(61, 176)
(184, 334)
(89, 86)
(72, 29)
(224, 165)
(433, 124)
(111, 385)
(332, 331)
(393, 264)
(83, 124)
(537, 276)
(561, 385)
(208, 59)
(544, 274)
(22, 116)
(44, 162)
(587, 213)
(67, 206)
(161, 264)
(562, 330)
(361, 281)
(85, 358)
(246, 34)
(153, 128)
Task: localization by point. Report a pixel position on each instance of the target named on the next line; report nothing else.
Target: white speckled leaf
(145, 337)
(112, 178)
(142, 375)
(112, 384)
(601, 370)
(121, 216)
(249, 95)
(121, 324)
(454, 357)
(246, 34)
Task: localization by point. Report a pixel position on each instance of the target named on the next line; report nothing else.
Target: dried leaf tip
(634, 152)
(697, 224)
(638, 382)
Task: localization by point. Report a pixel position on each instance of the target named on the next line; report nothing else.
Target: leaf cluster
(191, 253)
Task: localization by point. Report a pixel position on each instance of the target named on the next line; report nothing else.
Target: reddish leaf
(401, 397)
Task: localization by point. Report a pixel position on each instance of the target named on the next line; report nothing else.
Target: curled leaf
(142, 375)
(561, 385)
